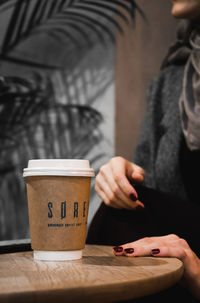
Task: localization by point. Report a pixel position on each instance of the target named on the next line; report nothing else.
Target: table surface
(98, 276)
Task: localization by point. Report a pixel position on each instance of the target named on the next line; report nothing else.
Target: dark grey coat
(159, 146)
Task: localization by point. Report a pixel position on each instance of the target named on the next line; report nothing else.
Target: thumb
(136, 173)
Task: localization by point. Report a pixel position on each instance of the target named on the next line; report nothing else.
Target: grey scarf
(187, 50)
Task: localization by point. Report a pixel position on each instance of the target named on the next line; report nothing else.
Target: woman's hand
(167, 246)
(113, 183)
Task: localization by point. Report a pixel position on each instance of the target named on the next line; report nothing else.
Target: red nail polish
(133, 197)
(118, 249)
(155, 251)
(129, 250)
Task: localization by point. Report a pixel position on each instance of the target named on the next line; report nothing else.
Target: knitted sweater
(161, 148)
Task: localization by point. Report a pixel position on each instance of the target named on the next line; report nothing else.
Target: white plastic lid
(57, 255)
(58, 167)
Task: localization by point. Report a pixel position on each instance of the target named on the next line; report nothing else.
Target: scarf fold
(186, 51)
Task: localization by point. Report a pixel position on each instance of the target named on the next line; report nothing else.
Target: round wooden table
(98, 277)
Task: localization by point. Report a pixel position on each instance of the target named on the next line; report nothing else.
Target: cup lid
(58, 167)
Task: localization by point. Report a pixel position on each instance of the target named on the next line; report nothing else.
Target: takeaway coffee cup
(58, 193)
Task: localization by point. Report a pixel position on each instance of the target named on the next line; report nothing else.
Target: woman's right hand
(113, 184)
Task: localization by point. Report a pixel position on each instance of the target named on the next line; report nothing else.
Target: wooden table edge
(108, 293)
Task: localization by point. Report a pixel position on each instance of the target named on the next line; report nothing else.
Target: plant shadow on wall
(47, 88)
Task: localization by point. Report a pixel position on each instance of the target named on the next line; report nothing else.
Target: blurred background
(73, 79)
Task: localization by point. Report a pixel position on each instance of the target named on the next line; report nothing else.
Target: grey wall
(139, 55)
(63, 127)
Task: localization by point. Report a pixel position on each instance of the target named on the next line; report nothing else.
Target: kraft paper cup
(58, 192)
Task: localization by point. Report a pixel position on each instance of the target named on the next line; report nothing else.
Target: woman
(166, 158)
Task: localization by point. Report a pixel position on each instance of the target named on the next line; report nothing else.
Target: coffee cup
(58, 192)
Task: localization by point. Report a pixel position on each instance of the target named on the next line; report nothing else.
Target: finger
(111, 198)
(108, 199)
(118, 250)
(119, 168)
(139, 250)
(142, 246)
(162, 240)
(155, 250)
(136, 173)
(126, 188)
(168, 251)
(106, 178)
(143, 241)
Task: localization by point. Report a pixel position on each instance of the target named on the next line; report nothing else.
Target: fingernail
(133, 197)
(118, 249)
(155, 251)
(129, 250)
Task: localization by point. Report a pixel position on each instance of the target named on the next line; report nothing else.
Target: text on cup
(63, 209)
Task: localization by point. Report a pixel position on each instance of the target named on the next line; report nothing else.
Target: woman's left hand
(167, 246)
